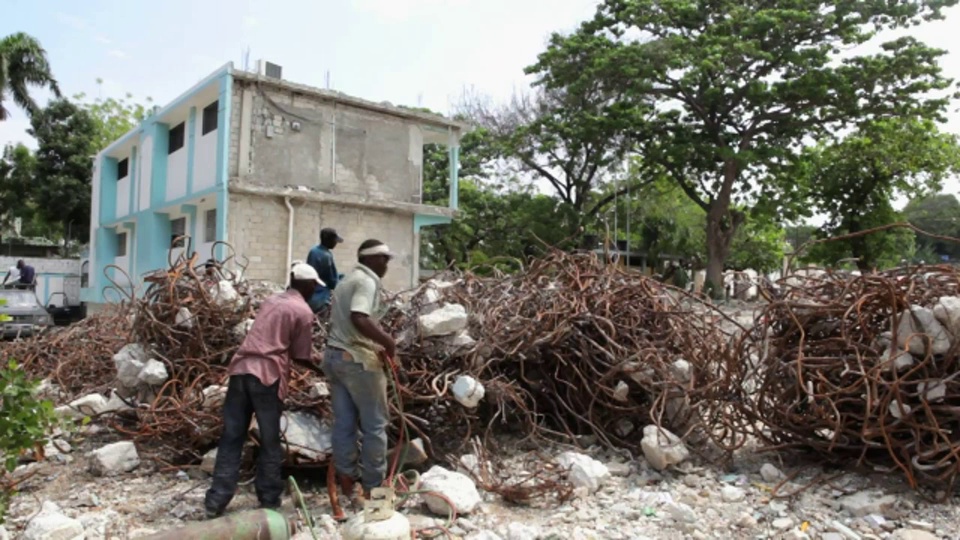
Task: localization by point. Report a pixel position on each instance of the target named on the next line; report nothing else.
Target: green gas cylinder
(249, 525)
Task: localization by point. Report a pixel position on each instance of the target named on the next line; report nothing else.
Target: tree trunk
(722, 224)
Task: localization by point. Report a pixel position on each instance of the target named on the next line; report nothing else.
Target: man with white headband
(355, 371)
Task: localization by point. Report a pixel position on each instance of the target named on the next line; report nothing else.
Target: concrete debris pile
(861, 369)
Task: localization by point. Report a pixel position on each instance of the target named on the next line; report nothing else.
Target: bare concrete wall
(296, 139)
(258, 230)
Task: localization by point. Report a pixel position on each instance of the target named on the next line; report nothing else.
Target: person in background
(321, 259)
(354, 367)
(282, 333)
(13, 276)
(210, 276)
(27, 275)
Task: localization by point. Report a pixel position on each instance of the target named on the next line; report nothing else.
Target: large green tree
(66, 143)
(937, 214)
(23, 63)
(854, 181)
(725, 92)
(566, 138)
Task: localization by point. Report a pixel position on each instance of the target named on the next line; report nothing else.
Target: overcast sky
(407, 52)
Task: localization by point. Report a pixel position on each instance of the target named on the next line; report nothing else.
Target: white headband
(382, 249)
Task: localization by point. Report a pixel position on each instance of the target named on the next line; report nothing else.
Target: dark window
(210, 117)
(176, 138)
(178, 228)
(122, 244)
(123, 168)
(210, 226)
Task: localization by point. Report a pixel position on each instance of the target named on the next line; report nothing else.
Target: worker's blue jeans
(358, 397)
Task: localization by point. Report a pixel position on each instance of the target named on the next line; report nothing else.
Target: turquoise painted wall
(149, 228)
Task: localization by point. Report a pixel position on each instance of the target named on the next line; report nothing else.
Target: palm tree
(23, 63)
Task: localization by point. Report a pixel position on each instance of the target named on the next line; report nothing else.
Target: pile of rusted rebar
(861, 369)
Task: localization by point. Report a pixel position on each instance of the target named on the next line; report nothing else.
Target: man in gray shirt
(354, 368)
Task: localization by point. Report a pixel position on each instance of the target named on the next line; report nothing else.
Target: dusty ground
(697, 500)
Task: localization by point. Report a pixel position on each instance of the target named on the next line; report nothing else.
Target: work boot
(352, 491)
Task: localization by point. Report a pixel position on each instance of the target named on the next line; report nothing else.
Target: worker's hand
(390, 347)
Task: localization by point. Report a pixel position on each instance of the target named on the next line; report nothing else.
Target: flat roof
(340, 97)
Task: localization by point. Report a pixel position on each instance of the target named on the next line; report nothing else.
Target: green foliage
(569, 138)
(24, 423)
(722, 94)
(114, 117)
(759, 245)
(23, 63)
(939, 215)
(854, 181)
(66, 138)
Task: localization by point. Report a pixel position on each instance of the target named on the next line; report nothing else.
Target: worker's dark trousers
(246, 395)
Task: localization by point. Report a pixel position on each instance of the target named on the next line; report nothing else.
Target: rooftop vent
(268, 69)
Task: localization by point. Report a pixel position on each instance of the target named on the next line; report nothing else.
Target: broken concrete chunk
(129, 361)
(932, 391)
(414, 453)
(468, 391)
(445, 321)
(585, 471)
(621, 391)
(895, 360)
(225, 294)
(865, 503)
(947, 312)
(681, 370)
(154, 373)
(241, 330)
(456, 487)
(115, 404)
(114, 459)
(89, 405)
(213, 396)
(51, 524)
(662, 448)
(319, 390)
(209, 461)
(463, 339)
(925, 323)
(305, 435)
(184, 318)
(899, 410)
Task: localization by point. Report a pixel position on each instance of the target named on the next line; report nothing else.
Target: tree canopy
(23, 64)
(724, 93)
(854, 181)
(66, 136)
(937, 214)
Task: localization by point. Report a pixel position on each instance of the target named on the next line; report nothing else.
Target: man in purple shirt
(282, 333)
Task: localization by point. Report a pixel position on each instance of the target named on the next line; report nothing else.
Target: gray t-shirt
(359, 292)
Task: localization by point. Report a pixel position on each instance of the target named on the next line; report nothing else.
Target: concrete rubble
(51, 524)
(305, 435)
(584, 471)
(446, 321)
(457, 487)
(114, 459)
(662, 448)
(467, 391)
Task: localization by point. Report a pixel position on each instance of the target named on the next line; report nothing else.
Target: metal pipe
(259, 524)
(290, 211)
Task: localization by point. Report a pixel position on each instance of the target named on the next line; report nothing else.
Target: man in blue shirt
(27, 275)
(321, 259)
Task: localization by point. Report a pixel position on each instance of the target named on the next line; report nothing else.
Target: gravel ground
(691, 500)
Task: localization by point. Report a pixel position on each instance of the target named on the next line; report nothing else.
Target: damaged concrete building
(261, 163)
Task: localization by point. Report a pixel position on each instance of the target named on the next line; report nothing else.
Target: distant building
(263, 164)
